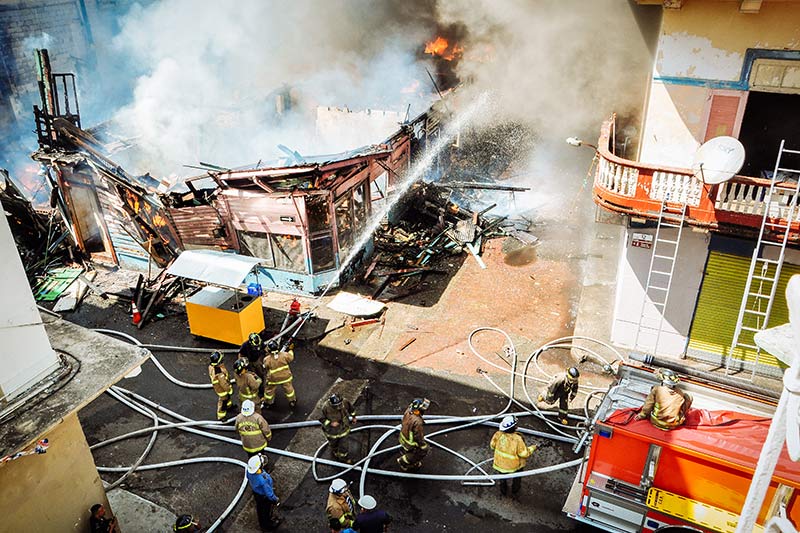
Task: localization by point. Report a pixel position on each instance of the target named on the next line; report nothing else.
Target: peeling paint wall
(703, 46)
(54, 491)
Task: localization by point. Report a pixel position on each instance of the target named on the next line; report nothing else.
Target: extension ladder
(757, 302)
(660, 272)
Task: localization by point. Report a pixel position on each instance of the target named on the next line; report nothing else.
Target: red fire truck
(639, 478)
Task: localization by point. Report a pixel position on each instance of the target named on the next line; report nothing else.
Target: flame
(441, 47)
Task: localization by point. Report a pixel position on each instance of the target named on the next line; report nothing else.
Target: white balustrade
(678, 188)
(619, 179)
(751, 199)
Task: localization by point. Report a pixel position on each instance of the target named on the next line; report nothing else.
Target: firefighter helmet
(248, 407)
(335, 400)
(420, 404)
(668, 377)
(508, 424)
(183, 522)
(254, 339)
(573, 374)
(239, 366)
(216, 358)
(367, 502)
(338, 486)
(256, 463)
(273, 346)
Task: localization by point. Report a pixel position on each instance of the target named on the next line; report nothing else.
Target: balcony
(735, 207)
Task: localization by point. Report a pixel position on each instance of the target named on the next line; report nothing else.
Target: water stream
(417, 171)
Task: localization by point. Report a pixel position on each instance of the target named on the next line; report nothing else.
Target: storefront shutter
(718, 308)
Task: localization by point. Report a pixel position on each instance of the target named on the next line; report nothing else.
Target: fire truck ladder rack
(758, 297)
(662, 267)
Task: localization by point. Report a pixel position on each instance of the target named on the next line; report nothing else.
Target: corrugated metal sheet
(718, 307)
(129, 253)
(197, 226)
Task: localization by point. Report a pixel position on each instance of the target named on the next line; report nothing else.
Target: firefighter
(277, 371)
(247, 383)
(337, 417)
(666, 405)
(253, 350)
(341, 505)
(562, 389)
(220, 380)
(510, 453)
(252, 429)
(412, 438)
(186, 523)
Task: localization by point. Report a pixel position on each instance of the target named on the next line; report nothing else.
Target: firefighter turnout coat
(666, 407)
(336, 420)
(248, 384)
(276, 368)
(254, 432)
(220, 379)
(411, 434)
(342, 508)
(510, 451)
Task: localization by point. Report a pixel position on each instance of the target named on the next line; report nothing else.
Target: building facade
(722, 68)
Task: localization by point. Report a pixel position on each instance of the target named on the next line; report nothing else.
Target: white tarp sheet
(355, 305)
(211, 266)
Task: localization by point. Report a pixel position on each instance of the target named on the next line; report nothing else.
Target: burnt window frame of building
(322, 257)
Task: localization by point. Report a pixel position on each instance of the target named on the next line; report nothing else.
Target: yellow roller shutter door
(718, 307)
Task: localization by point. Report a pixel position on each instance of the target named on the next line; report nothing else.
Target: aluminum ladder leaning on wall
(660, 272)
(756, 304)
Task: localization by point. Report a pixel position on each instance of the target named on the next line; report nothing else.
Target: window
(360, 206)
(322, 253)
(288, 252)
(256, 245)
(344, 224)
(318, 213)
(284, 252)
(775, 75)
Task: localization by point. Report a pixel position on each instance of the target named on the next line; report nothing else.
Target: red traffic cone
(137, 316)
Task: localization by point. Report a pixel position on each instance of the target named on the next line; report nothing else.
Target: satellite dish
(718, 160)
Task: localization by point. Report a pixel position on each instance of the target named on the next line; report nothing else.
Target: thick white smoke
(213, 75)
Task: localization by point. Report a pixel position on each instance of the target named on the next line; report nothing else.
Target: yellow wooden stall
(220, 310)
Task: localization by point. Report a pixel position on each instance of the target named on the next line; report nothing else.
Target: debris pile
(433, 229)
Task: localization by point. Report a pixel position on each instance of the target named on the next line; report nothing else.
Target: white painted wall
(673, 124)
(340, 129)
(26, 354)
(630, 304)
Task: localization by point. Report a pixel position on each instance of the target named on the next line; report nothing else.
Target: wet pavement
(530, 293)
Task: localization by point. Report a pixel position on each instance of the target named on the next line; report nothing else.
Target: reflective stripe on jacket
(254, 432)
(276, 368)
(666, 406)
(340, 415)
(220, 379)
(510, 451)
(411, 434)
(341, 507)
(248, 384)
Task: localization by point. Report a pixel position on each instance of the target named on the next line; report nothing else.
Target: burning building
(300, 215)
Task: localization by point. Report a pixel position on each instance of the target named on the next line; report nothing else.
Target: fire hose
(133, 400)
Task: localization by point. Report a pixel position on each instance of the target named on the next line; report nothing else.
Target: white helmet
(248, 407)
(254, 464)
(338, 485)
(367, 502)
(508, 423)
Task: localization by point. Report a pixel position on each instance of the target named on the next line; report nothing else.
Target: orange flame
(441, 47)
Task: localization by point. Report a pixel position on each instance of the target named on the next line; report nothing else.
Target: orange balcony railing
(735, 207)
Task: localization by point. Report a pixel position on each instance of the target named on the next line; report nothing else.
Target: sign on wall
(642, 240)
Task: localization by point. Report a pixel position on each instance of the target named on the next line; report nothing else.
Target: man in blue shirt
(371, 520)
(261, 484)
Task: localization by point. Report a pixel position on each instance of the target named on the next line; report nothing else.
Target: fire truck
(636, 477)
